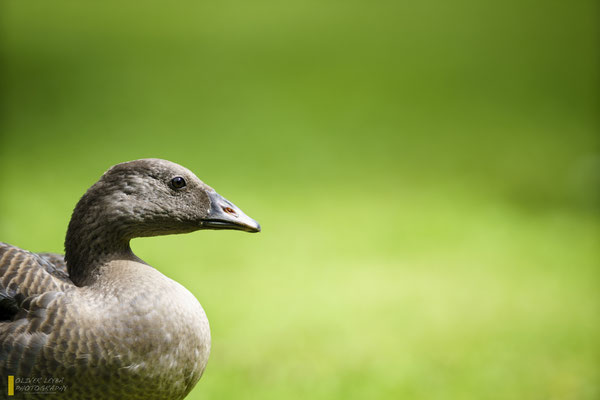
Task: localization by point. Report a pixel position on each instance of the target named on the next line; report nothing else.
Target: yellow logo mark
(11, 385)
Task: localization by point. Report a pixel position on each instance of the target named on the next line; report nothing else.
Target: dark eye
(178, 182)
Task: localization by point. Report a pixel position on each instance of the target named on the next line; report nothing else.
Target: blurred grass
(427, 176)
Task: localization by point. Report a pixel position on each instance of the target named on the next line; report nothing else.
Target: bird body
(104, 324)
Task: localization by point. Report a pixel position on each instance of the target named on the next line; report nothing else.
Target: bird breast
(146, 327)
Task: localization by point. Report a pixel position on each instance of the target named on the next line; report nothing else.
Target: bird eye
(178, 182)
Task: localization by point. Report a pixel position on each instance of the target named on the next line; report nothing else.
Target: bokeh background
(427, 175)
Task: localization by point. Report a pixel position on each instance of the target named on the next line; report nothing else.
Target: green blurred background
(427, 175)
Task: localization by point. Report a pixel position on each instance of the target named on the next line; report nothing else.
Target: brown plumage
(103, 324)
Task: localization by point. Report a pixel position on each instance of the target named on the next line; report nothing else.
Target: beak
(223, 214)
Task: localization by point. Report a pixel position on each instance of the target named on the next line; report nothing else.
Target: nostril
(230, 210)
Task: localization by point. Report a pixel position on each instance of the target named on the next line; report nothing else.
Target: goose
(100, 323)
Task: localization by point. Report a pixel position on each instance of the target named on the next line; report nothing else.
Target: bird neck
(94, 238)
